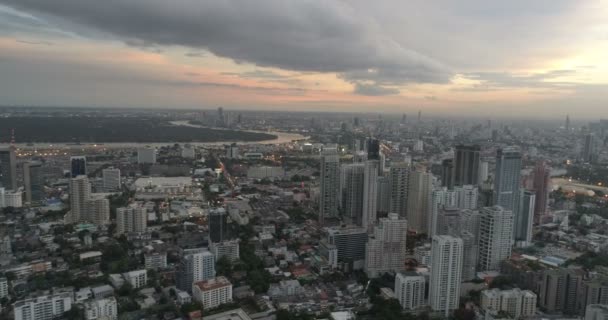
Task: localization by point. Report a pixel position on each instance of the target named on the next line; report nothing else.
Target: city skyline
(396, 57)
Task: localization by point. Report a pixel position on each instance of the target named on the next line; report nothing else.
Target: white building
(111, 179)
(146, 155)
(98, 210)
(44, 307)
(3, 288)
(155, 260)
(495, 233)
(410, 290)
(101, 309)
(213, 292)
(80, 192)
(131, 219)
(226, 248)
(446, 271)
(137, 278)
(386, 249)
(517, 303)
(467, 196)
(422, 254)
(11, 199)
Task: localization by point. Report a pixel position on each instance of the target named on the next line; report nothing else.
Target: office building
(101, 309)
(525, 220)
(131, 220)
(218, 225)
(33, 181)
(516, 303)
(213, 292)
(410, 288)
(373, 149)
(226, 248)
(447, 173)
(98, 210)
(8, 168)
(350, 244)
(111, 179)
(146, 155)
(78, 166)
(446, 272)
(196, 265)
(589, 155)
(330, 186)
(507, 180)
(80, 192)
(232, 151)
(399, 181)
(542, 187)
(420, 190)
(370, 194)
(495, 233)
(46, 307)
(466, 165)
(386, 248)
(352, 177)
(384, 195)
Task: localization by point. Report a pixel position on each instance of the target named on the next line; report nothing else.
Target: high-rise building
(440, 198)
(420, 188)
(386, 248)
(3, 287)
(589, 148)
(410, 289)
(448, 222)
(33, 181)
(466, 165)
(330, 186)
(78, 166)
(470, 250)
(447, 173)
(542, 181)
(384, 195)
(352, 177)
(561, 290)
(373, 149)
(232, 151)
(213, 292)
(227, 248)
(466, 197)
(484, 168)
(524, 221)
(131, 220)
(517, 303)
(146, 155)
(350, 243)
(398, 180)
(507, 180)
(567, 125)
(8, 169)
(446, 272)
(43, 307)
(111, 179)
(495, 234)
(218, 225)
(98, 210)
(370, 194)
(80, 192)
(596, 312)
(196, 265)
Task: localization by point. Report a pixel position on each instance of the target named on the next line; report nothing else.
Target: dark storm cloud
(305, 35)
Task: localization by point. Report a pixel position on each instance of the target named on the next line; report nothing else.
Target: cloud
(35, 42)
(196, 54)
(374, 90)
(506, 80)
(307, 35)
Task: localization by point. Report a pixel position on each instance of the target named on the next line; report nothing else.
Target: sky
(517, 58)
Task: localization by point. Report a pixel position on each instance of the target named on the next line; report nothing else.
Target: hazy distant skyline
(543, 58)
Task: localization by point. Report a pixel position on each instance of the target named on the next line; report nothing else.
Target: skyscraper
(446, 272)
(589, 148)
(495, 234)
(131, 219)
(330, 186)
(447, 173)
(218, 225)
(542, 176)
(410, 289)
(466, 197)
(196, 265)
(567, 126)
(386, 248)
(470, 251)
(98, 210)
(507, 180)
(80, 192)
(466, 165)
(420, 190)
(78, 166)
(350, 243)
(398, 180)
(370, 193)
(111, 179)
(33, 181)
(8, 169)
(384, 195)
(373, 149)
(352, 192)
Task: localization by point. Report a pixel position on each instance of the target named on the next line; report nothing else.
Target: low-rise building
(213, 292)
(101, 309)
(44, 307)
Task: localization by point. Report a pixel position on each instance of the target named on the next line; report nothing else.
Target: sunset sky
(529, 58)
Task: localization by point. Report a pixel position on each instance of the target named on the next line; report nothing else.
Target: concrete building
(80, 192)
(111, 179)
(507, 181)
(137, 278)
(78, 166)
(131, 219)
(33, 181)
(440, 198)
(561, 290)
(350, 244)
(8, 168)
(370, 194)
(46, 307)
(386, 248)
(523, 225)
(470, 252)
(330, 186)
(11, 198)
(495, 232)
(98, 210)
(420, 188)
(155, 260)
(226, 248)
(101, 309)
(399, 182)
(3, 288)
(446, 272)
(196, 265)
(466, 165)
(232, 151)
(466, 196)
(213, 292)
(515, 302)
(542, 184)
(351, 186)
(410, 288)
(146, 155)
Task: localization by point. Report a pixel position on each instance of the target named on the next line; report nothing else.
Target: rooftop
(214, 283)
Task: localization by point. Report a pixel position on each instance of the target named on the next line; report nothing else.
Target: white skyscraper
(370, 193)
(419, 200)
(330, 186)
(131, 219)
(111, 179)
(398, 181)
(440, 198)
(495, 232)
(410, 290)
(80, 192)
(446, 271)
(386, 248)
